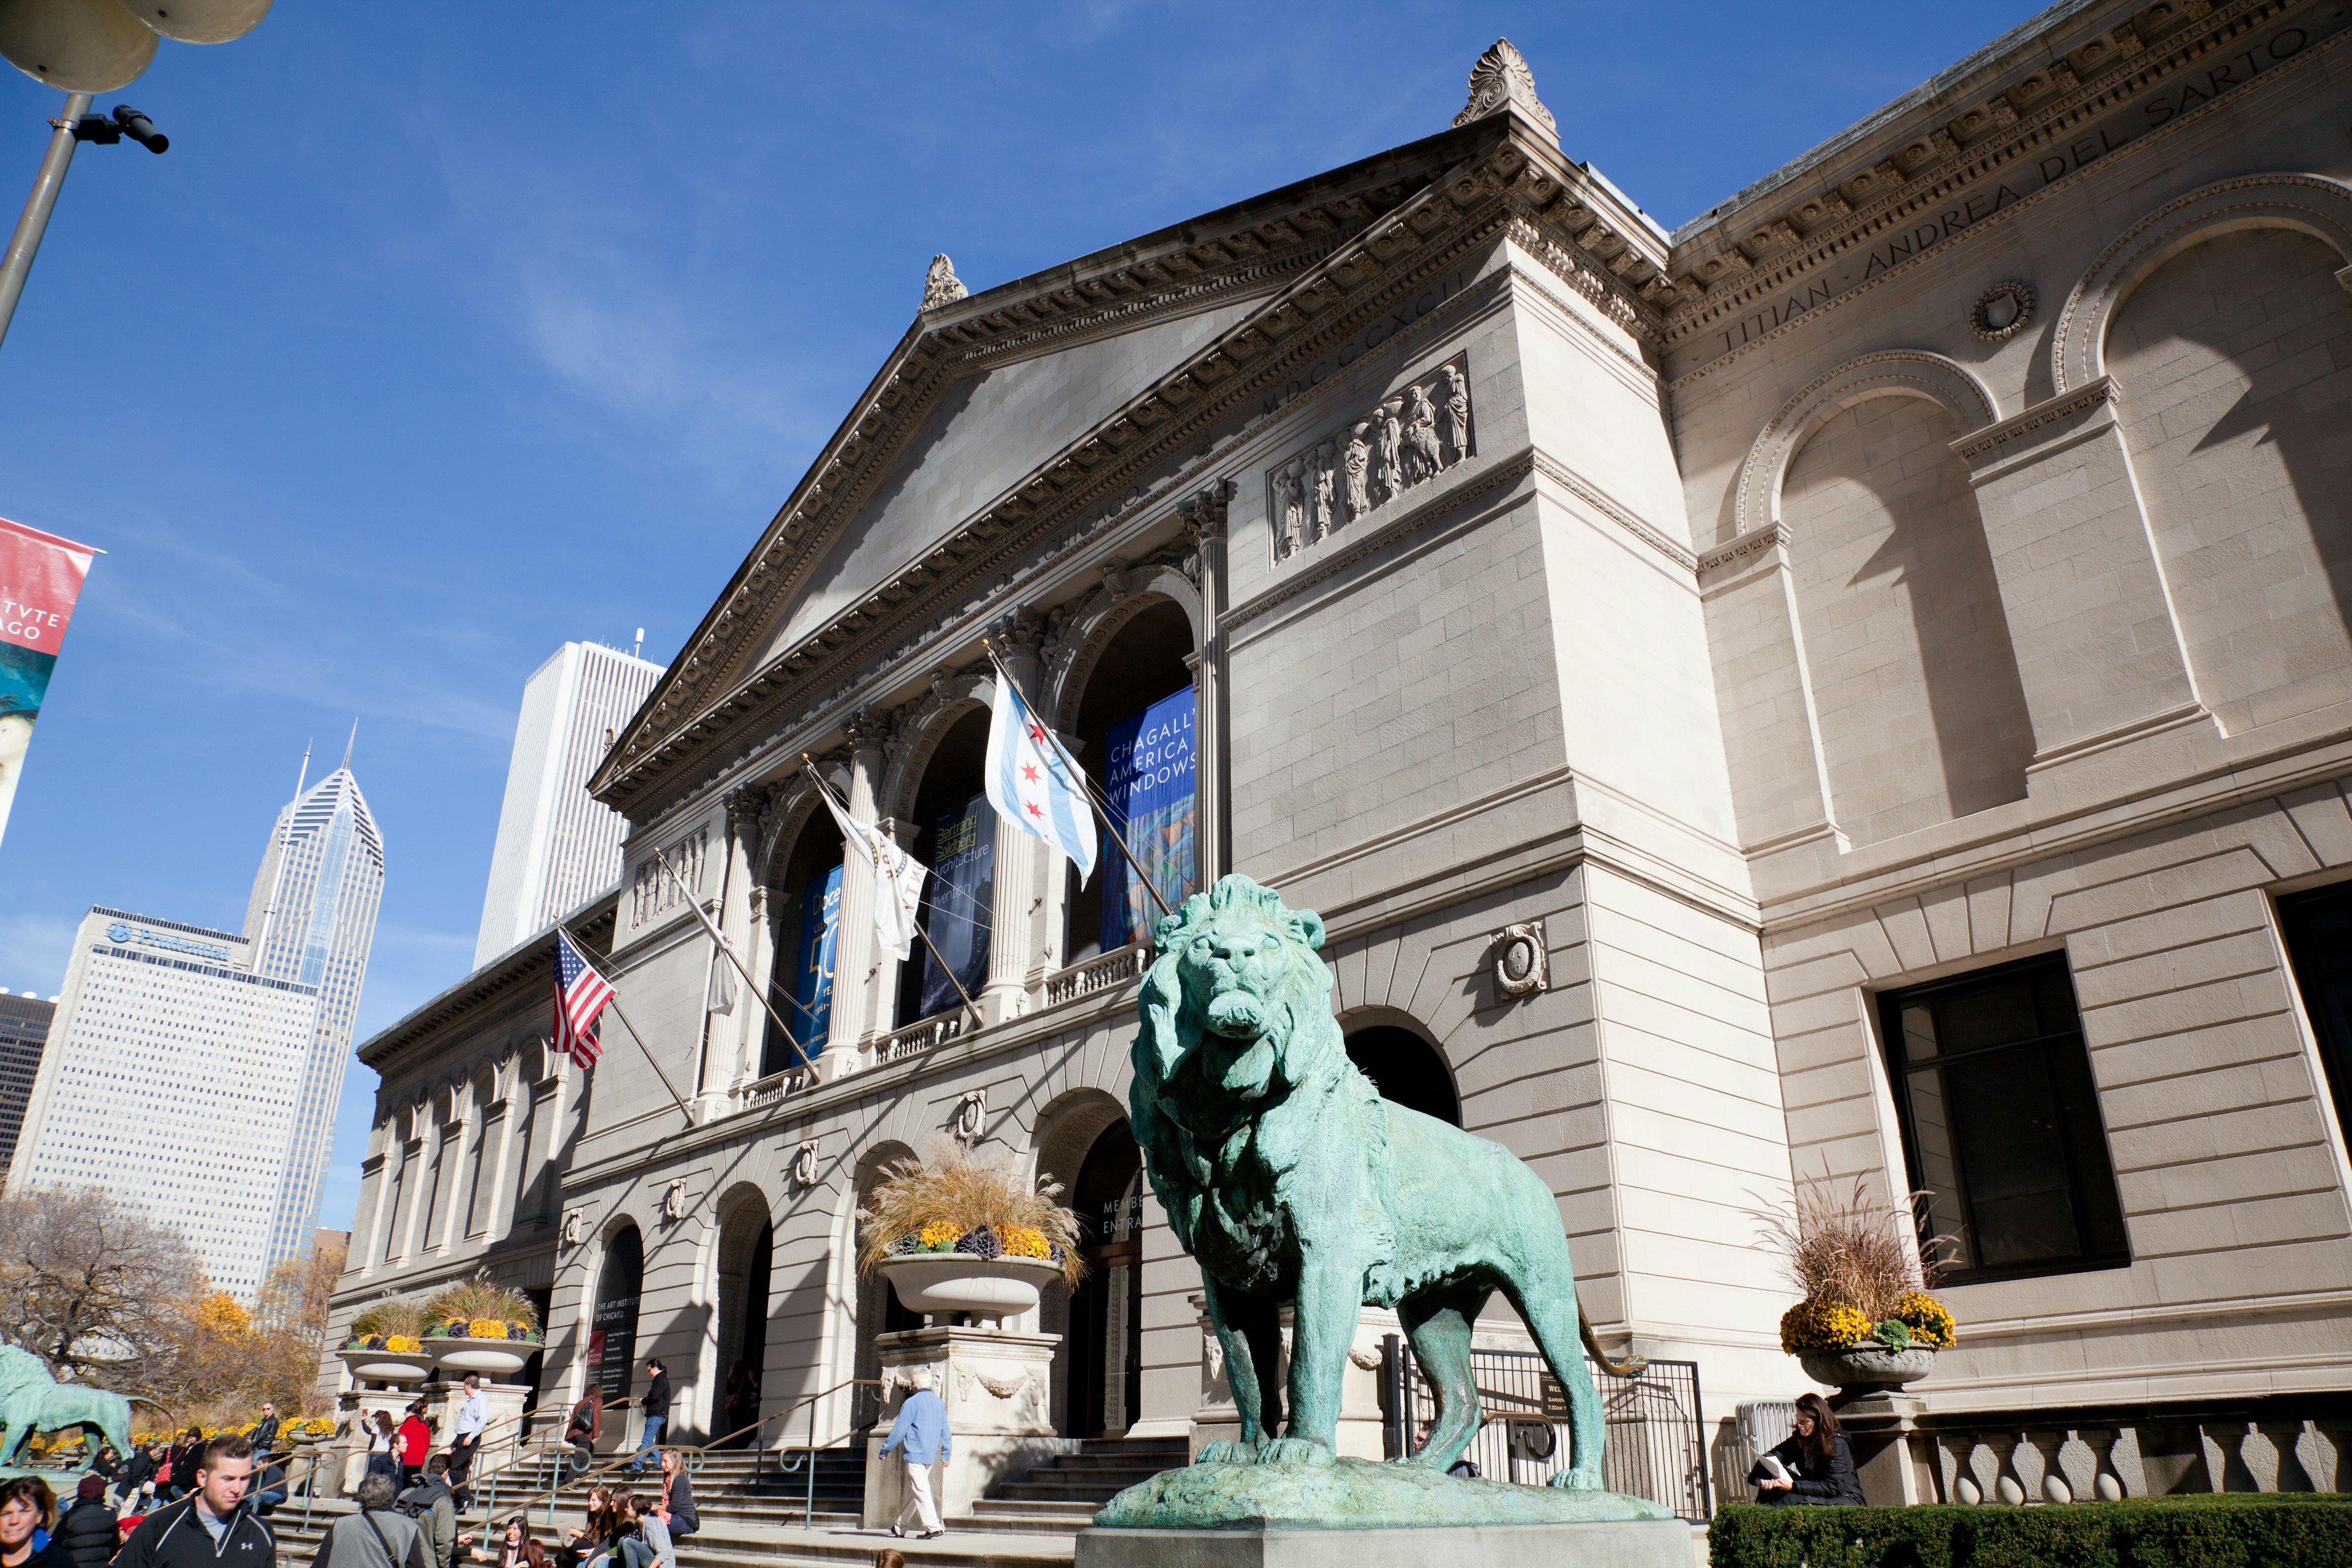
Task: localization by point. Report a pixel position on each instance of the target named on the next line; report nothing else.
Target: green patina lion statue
(1289, 1179)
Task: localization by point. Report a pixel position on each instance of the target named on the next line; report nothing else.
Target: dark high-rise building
(24, 1031)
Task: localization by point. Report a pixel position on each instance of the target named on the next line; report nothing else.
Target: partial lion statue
(32, 1401)
(1289, 1179)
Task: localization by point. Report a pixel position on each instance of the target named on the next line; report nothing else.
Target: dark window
(2318, 929)
(2000, 1122)
(1406, 1070)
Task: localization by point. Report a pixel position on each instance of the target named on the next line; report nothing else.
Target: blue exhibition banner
(963, 880)
(813, 984)
(1149, 782)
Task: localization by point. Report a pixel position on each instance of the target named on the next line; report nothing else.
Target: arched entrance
(746, 1256)
(1134, 732)
(613, 1331)
(1407, 1070)
(803, 916)
(1106, 1321)
(956, 837)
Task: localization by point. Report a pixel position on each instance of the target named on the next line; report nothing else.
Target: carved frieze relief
(1405, 440)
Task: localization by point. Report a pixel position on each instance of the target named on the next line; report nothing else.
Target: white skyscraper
(173, 1077)
(311, 921)
(556, 846)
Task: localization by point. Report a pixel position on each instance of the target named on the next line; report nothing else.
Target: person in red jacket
(415, 1441)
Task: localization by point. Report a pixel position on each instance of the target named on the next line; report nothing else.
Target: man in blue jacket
(921, 1437)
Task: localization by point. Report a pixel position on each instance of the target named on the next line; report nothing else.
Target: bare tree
(86, 1285)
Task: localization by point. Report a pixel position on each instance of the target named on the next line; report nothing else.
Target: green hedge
(2231, 1530)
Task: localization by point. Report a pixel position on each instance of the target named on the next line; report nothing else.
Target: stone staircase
(752, 1511)
(1061, 1495)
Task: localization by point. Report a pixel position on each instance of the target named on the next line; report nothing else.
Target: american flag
(579, 996)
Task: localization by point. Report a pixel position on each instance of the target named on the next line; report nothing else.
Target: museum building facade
(1858, 686)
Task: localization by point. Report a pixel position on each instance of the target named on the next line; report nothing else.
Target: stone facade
(1929, 559)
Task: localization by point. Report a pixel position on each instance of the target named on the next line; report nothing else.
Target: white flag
(1032, 780)
(722, 979)
(898, 881)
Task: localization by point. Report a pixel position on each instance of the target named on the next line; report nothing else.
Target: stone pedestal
(1634, 1544)
(998, 1388)
(1894, 1464)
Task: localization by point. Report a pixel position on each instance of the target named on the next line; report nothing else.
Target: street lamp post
(73, 126)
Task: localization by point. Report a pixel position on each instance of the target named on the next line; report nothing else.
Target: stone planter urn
(944, 1282)
(496, 1360)
(1868, 1367)
(397, 1367)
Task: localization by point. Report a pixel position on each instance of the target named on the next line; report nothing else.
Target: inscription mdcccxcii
(2188, 90)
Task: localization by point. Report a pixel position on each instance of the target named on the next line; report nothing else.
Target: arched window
(746, 1258)
(612, 1332)
(1134, 733)
(803, 915)
(1407, 1070)
(956, 837)
(1105, 1363)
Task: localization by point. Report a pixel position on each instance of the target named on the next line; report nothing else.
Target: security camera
(141, 128)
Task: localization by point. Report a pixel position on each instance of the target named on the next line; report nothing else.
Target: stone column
(723, 1033)
(853, 950)
(2098, 644)
(1019, 857)
(1749, 591)
(888, 965)
(1211, 853)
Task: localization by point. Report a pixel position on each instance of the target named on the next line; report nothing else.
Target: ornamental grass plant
(1851, 1255)
(390, 1318)
(951, 1200)
(477, 1309)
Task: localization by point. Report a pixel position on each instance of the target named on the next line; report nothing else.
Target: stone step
(1049, 1491)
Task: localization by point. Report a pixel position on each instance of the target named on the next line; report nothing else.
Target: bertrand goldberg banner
(40, 578)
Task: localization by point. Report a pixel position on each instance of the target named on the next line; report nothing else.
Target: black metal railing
(1654, 1444)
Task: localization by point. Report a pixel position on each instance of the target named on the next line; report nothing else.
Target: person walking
(465, 1437)
(430, 1503)
(207, 1529)
(374, 1537)
(89, 1527)
(920, 1435)
(415, 1442)
(28, 1507)
(581, 1430)
(264, 1435)
(1813, 1466)
(655, 1405)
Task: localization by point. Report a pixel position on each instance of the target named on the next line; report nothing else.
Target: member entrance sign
(40, 578)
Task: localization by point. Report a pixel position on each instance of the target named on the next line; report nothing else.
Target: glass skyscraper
(311, 921)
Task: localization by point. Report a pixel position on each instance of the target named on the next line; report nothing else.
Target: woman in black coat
(88, 1527)
(1816, 1460)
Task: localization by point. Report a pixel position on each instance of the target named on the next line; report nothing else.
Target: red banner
(40, 577)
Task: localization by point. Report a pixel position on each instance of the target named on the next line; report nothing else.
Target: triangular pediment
(1005, 414)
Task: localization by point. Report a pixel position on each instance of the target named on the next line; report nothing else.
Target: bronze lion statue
(1289, 1179)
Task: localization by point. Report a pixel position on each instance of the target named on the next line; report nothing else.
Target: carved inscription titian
(2076, 149)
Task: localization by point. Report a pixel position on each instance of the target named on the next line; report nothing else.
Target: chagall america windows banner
(1148, 781)
(963, 880)
(40, 577)
(813, 981)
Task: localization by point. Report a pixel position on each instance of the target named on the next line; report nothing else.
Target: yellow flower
(403, 1344)
(939, 1234)
(1024, 1241)
(486, 1329)
(1820, 1326)
(1930, 1322)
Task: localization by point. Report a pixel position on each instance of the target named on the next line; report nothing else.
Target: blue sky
(445, 333)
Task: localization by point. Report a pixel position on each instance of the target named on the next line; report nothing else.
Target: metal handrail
(514, 1448)
(808, 1509)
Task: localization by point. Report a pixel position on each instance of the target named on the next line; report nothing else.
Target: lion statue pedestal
(1293, 1183)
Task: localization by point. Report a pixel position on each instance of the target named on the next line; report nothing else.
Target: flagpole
(749, 984)
(945, 967)
(1093, 796)
(613, 1002)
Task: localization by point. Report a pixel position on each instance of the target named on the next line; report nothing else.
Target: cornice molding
(2050, 111)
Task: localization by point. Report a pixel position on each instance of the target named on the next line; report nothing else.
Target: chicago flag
(1032, 780)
